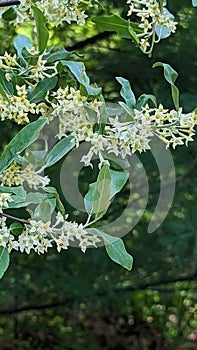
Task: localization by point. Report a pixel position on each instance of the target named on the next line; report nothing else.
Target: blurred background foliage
(85, 301)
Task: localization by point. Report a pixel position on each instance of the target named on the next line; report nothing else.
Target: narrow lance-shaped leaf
(42, 31)
(10, 14)
(115, 248)
(117, 182)
(59, 205)
(61, 54)
(39, 92)
(21, 42)
(59, 150)
(4, 260)
(20, 142)
(170, 75)
(144, 99)
(78, 70)
(125, 29)
(6, 86)
(101, 199)
(127, 93)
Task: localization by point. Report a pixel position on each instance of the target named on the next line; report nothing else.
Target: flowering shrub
(41, 87)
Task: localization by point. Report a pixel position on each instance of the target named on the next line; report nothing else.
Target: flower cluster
(154, 19)
(17, 107)
(39, 236)
(7, 240)
(55, 11)
(5, 198)
(37, 71)
(15, 176)
(72, 110)
(76, 233)
(121, 138)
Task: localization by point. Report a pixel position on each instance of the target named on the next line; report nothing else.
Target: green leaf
(116, 24)
(42, 31)
(194, 3)
(10, 14)
(59, 150)
(118, 180)
(35, 198)
(20, 142)
(39, 92)
(3, 93)
(44, 210)
(101, 198)
(61, 54)
(78, 70)
(18, 196)
(127, 93)
(144, 99)
(115, 249)
(6, 86)
(170, 75)
(160, 2)
(21, 42)
(4, 260)
(59, 205)
(133, 33)
(16, 228)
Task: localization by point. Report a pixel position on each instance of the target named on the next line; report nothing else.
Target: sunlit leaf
(59, 150)
(115, 249)
(42, 31)
(126, 92)
(78, 70)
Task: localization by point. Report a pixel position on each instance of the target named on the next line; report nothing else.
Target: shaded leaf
(114, 23)
(20, 142)
(10, 14)
(59, 205)
(39, 92)
(16, 228)
(144, 99)
(6, 86)
(4, 260)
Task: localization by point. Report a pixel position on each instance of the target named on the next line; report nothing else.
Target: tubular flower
(154, 19)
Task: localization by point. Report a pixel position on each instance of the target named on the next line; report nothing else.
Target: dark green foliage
(74, 301)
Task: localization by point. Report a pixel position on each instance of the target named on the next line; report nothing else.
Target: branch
(92, 40)
(14, 218)
(9, 3)
(34, 307)
(192, 277)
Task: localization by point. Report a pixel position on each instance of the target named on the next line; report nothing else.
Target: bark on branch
(9, 3)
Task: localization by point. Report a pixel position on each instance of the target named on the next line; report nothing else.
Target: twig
(14, 218)
(9, 3)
